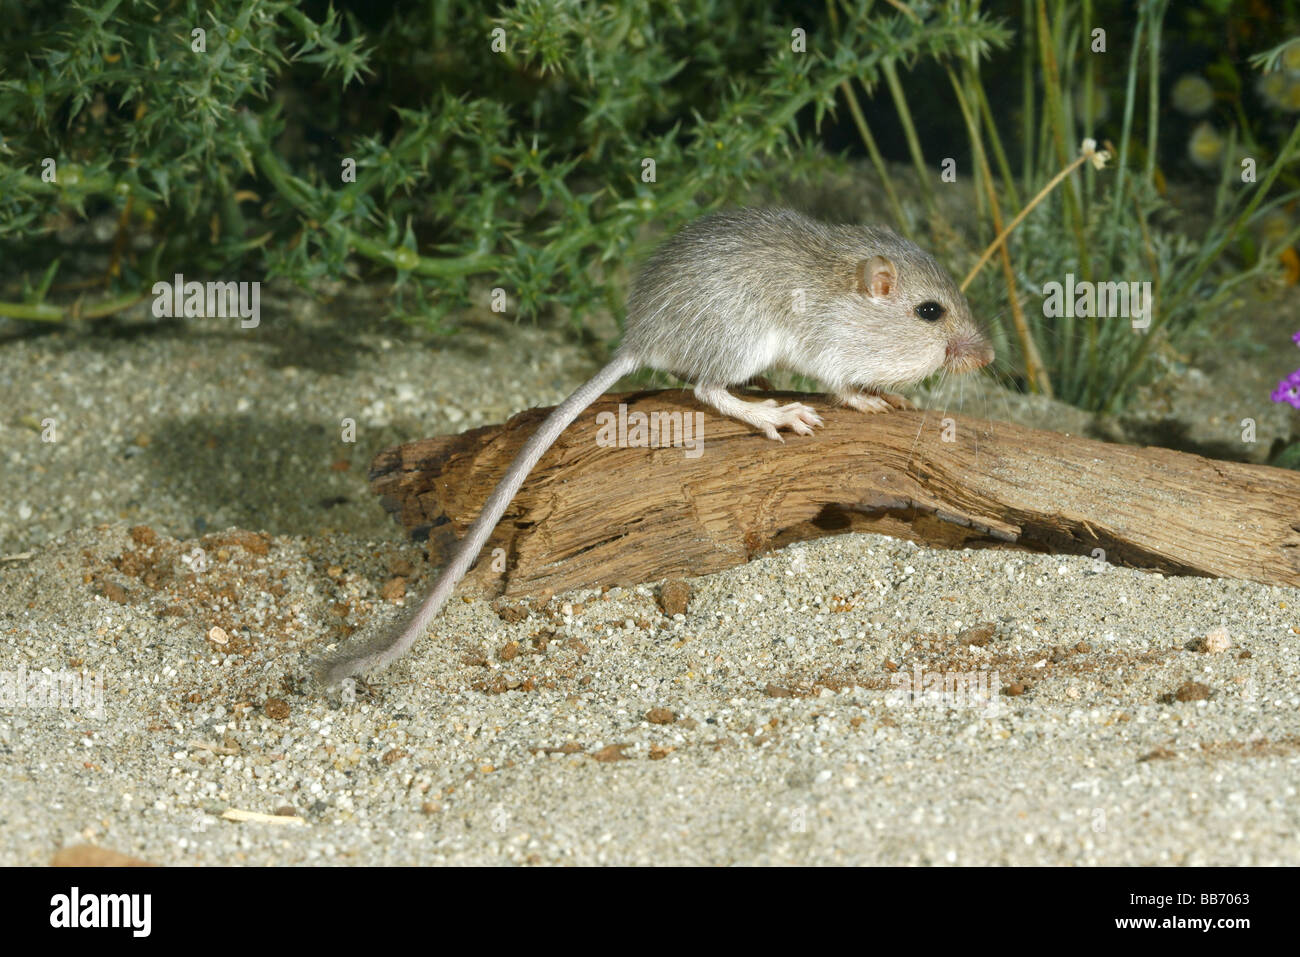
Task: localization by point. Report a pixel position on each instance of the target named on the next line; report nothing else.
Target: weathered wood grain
(591, 515)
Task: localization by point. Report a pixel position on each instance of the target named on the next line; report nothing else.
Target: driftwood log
(591, 514)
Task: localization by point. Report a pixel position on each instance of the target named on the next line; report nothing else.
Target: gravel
(199, 531)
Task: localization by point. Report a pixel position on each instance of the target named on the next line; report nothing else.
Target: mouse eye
(930, 311)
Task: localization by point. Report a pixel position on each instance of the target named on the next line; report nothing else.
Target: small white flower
(1097, 157)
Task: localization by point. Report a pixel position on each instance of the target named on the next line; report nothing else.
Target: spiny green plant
(507, 149)
(511, 151)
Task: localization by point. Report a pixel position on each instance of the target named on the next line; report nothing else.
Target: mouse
(860, 309)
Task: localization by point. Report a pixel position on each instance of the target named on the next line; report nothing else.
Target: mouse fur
(735, 293)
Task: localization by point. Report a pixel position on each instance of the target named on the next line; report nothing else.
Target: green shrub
(522, 167)
(509, 148)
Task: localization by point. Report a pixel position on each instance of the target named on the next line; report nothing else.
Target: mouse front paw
(874, 402)
(898, 402)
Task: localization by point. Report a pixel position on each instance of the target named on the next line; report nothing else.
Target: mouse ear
(877, 277)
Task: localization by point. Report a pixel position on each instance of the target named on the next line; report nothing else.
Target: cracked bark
(590, 515)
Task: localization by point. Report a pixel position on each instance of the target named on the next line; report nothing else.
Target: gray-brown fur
(716, 304)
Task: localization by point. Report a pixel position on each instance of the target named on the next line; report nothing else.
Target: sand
(199, 480)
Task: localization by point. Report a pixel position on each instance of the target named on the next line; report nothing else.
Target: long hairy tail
(385, 649)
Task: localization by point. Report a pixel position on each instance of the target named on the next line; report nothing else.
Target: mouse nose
(966, 354)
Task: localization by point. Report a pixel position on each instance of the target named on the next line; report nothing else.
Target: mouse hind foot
(766, 416)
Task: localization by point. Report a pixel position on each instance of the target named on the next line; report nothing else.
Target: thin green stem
(1186, 286)
(1004, 168)
(1035, 371)
(1153, 88)
(48, 312)
(909, 133)
(1126, 128)
(873, 151)
(864, 131)
(1028, 128)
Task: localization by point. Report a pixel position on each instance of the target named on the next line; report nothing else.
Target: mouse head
(913, 318)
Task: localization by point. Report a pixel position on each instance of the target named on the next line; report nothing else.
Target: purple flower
(1288, 390)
